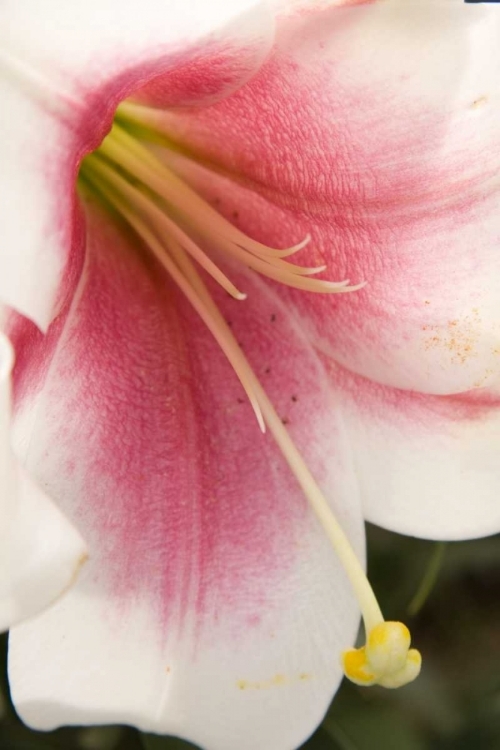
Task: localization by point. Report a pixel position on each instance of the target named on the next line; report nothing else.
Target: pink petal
(427, 465)
(212, 606)
(63, 70)
(377, 129)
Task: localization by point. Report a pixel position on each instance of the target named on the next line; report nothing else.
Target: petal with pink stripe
(212, 601)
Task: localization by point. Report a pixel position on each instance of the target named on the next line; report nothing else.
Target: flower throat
(178, 227)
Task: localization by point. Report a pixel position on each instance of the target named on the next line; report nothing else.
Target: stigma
(184, 233)
(386, 659)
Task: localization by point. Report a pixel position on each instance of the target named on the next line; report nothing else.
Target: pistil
(176, 225)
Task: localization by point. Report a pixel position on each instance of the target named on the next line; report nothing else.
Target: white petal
(428, 466)
(40, 552)
(63, 69)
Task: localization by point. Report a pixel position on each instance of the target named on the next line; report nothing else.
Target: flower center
(179, 228)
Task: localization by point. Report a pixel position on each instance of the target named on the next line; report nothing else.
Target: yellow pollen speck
(482, 381)
(459, 337)
(279, 680)
(479, 102)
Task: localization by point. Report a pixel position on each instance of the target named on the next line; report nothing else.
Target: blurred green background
(449, 595)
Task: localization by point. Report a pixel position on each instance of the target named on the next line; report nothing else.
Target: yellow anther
(386, 660)
(387, 647)
(410, 671)
(356, 667)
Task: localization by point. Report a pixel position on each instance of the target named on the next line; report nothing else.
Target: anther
(386, 659)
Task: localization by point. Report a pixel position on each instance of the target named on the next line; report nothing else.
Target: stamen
(165, 225)
(200, 219)
(233, 353)
(167, 215)
(145, 119)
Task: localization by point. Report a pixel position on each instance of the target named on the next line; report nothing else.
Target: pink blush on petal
(386, 178)
(180, 497)
(411, 412)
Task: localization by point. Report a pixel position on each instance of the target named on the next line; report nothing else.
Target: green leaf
(429, 579)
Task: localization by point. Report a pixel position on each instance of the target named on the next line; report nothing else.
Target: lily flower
(249, 264)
